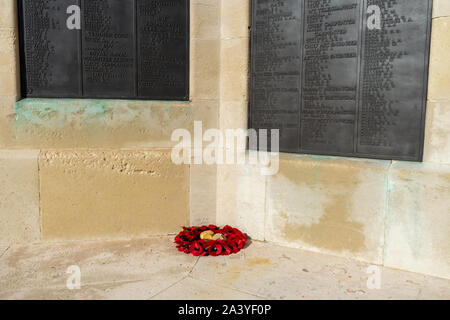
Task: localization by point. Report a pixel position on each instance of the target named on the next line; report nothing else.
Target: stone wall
(90, 169)
(84, 169)
(388, 213)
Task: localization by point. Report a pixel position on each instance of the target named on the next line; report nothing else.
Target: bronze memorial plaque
(342, 77)
(130, 49)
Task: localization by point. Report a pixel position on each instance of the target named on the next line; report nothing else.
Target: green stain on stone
(58, 113)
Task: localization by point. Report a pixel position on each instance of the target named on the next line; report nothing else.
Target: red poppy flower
(216, 250)
(196, 249)
(226, 250)
(240, 243)
(207, 247)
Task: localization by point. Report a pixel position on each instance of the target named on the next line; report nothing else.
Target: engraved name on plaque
(330, 78)
(51, 52)
(163, 49)
(276, 65)
(394, 72)
(136, 49)
(108, 48)
(358, 69)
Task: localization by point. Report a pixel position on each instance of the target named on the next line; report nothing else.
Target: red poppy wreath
(210, 241)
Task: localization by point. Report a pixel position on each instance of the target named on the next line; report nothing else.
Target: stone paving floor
(153, 269)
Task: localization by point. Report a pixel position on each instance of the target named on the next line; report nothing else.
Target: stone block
(441, 8)
(329, 205)
(19, 197)
(96, 194)
(418, 219)
(205, 70)
(233, 115)
(206, 111)
(8, 13)
(439, 75)
(203, 192)
(9, 62)
(234, 79)
(241, 198)
(205, 19)
(235, 19)
(7, 136)
(437, 133)
(94, 123)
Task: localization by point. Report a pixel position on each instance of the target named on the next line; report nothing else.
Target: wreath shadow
(248, 243)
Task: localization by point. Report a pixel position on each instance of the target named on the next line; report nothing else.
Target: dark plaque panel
(276, 65)
(51, 51)
(108, 48)
(136, 49)
(394, 83)
(354, 77)
(162, 49)
(330, 80)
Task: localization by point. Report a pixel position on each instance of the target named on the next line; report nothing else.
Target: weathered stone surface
(86, 123)
(19, 196)
(272, 272)
(205, 71)
(418, 219)
(233, 115)
(8, 51)
(205, 19)
(152, 269)
(109, 269)
(9, 55)
(203, 192)
(110, 123)
(3, 249)
(8, 84)
(207, 112)
(331, 205)
(205, 50)
(437, 136)
(111, 194)
(7, 136)
(439, 75)
(234, 68)
(9, 62)
(235, 19)
(197, 289)
(240, 188)
(441, 8)
(241, 198)
(8, 13)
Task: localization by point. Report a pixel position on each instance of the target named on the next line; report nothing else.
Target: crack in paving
(170, 286)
